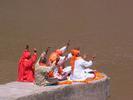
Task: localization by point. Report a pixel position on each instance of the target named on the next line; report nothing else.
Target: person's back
(42, 73)
(79, 66)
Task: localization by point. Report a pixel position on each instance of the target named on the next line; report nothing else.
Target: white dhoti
(81, 70)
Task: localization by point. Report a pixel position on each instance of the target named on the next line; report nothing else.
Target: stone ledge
(96, 90)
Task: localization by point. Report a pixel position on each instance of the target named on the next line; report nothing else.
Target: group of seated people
(51, 69)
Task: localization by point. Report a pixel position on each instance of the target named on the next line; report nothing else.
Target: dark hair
(77, 48)
(43, 60)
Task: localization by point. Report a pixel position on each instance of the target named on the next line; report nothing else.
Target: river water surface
(101, 27)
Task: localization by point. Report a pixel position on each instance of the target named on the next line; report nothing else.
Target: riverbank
(96, 90)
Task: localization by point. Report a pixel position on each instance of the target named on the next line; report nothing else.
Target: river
(101, 27)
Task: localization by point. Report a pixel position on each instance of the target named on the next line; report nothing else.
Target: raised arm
(63, 49)
(86, 63)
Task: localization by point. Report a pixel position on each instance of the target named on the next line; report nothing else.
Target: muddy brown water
(101, 27)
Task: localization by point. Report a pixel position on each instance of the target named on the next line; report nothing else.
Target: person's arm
(86, 57)
(43, 54)
(64, 58)
(61, 60)
(63, 49)
(31, 61)
(47, 50)
(87, 64)
(37, 63)
(34, 56)
(49, 68)
(69, 56)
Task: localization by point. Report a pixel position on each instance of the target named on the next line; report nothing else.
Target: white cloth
(67, 69)
(63, 49)
(62, 58)
(81, 70)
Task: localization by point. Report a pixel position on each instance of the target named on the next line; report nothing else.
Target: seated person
(42, 73)
(58, 54)
(61, 71)
(80, 67)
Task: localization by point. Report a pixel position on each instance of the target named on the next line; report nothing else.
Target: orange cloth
(72, 61)
(87, 81)
(64, 82)
(75, 53)
(51, 74)
(59, 52)
(53, 57)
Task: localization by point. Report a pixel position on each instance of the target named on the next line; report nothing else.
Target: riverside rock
(96, 90)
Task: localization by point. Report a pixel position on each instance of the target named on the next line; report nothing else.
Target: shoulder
(80, 59)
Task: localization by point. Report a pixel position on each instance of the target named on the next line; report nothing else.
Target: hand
(68, 43)
(87, 57)
(84, 56)
(94, 57)
(47, 49)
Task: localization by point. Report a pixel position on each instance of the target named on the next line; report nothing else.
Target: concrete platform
(96, 90)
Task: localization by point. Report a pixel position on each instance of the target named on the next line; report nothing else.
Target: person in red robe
(26, 66)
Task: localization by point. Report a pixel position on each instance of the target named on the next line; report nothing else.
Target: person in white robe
(81, 70)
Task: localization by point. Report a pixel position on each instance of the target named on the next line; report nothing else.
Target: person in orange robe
(57, 54)
(25, 66)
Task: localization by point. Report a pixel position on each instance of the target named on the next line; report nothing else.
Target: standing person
(26, 66)
(80, 67)
(20, 68)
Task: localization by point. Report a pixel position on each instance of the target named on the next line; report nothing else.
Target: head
(43, 55)
(27, 55)
(43, 60)
(59, 52)
(75, 52)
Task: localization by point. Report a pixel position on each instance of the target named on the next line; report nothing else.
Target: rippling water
(101, 27)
